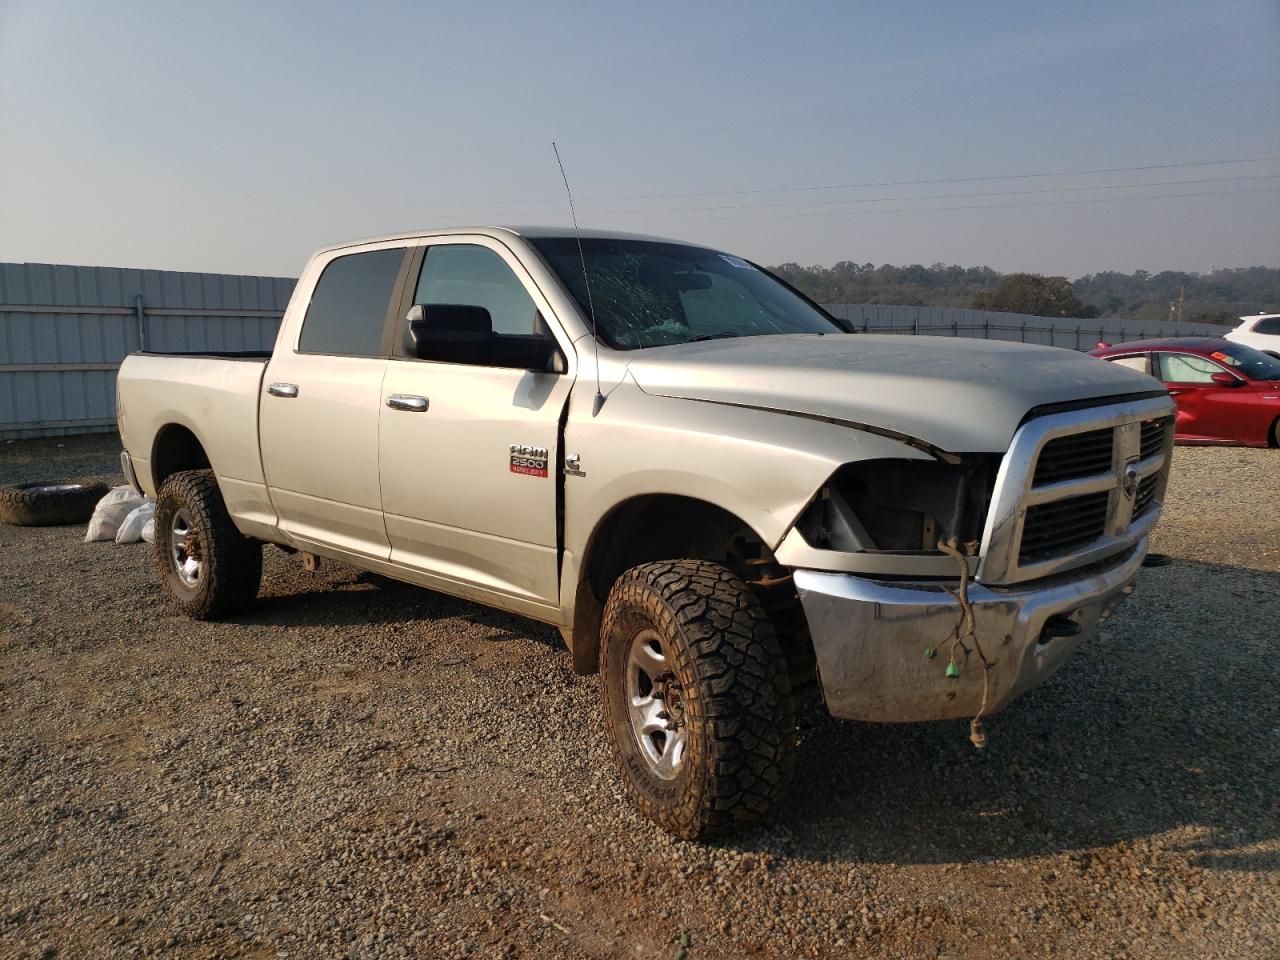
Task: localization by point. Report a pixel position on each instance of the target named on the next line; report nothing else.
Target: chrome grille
(1146, 495)
(1153, 434)
(1076, 487)
(1060, 526)
(1075, 455)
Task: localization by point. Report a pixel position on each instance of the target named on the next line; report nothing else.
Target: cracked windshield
(651, 294)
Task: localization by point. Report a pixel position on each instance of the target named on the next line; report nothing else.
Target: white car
(1262, 332)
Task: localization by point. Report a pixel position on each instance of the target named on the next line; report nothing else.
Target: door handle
(1175, 393)
(287, 390)
(402, 401)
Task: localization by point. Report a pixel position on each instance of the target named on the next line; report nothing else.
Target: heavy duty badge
(530, 461)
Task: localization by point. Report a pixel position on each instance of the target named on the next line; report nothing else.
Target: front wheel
(697, 697)
(208, 567)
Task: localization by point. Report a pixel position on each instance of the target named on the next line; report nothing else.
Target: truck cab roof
(500, 232)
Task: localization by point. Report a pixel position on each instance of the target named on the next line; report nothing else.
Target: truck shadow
(344, 596)
(1167, 722)
(1158, 726)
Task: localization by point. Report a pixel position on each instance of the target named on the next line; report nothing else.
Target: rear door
(1206, 410)
(321, 402)
(469, 451)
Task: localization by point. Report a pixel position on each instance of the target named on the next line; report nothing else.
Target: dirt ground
(363, 769)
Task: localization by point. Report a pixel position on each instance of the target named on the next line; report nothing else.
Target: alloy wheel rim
(655, 705)
(184, 548)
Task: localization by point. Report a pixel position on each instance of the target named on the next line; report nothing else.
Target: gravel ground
(363, 769)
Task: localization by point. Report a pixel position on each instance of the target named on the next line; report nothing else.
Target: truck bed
(214, 396)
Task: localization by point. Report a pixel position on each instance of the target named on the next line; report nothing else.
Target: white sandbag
(110, 513)
(149, 530)
(131, 529)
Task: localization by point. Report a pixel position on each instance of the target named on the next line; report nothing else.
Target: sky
(238, 137)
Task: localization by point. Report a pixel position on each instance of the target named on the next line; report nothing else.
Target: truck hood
(959, 395)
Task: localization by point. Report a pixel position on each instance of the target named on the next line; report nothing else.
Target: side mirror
(460, 333)
(1226, 379)
(539, 354)
(453, 333)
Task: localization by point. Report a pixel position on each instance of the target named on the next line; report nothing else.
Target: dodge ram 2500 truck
(722, 498)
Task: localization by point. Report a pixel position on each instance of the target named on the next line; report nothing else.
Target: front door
(321, 403)
(1206, 410)
(469, 451)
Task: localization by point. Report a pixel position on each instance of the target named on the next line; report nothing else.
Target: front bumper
(870, 638)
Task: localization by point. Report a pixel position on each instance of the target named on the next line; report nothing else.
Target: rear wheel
(697, 697)
(208, 567)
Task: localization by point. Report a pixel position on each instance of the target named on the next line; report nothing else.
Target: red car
(1226, 392)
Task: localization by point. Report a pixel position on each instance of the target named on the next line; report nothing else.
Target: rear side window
(348, 308)
(1270, 325)
(1139, 363)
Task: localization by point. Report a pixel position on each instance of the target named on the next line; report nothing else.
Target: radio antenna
(591, 307)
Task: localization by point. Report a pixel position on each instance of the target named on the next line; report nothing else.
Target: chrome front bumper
(871, 638)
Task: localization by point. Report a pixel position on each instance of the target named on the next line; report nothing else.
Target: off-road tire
(49, 503)
(231, 563)
(736, 694)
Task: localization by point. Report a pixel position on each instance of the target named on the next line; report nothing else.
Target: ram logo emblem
(1130, 480)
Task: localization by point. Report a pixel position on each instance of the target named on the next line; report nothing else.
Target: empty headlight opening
(901, 506)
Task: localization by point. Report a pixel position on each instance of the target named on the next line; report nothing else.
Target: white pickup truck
(722, 498)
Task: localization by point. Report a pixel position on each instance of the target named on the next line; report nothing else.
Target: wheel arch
(660, 526)
(176, 447)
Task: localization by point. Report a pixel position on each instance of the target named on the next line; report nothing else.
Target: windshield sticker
(736, 262)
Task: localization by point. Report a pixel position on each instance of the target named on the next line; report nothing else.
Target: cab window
(1185, 368)
(466, 275)
(348, 309)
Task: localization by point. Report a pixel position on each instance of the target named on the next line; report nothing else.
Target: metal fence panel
(1065, 332)
(65, 329)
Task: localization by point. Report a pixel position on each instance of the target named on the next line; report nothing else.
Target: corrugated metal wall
(986, 324)
(65, 329)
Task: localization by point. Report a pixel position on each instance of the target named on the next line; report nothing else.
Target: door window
(473, 276)
(1270, 325)
(1141, 363)
(348, 309)
(1185, 368)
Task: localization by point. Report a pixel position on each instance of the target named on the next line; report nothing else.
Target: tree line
(1220, 296)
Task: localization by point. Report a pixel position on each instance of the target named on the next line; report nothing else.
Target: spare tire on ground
(48, 503)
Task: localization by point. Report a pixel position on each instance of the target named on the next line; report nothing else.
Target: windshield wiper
(711, 336)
